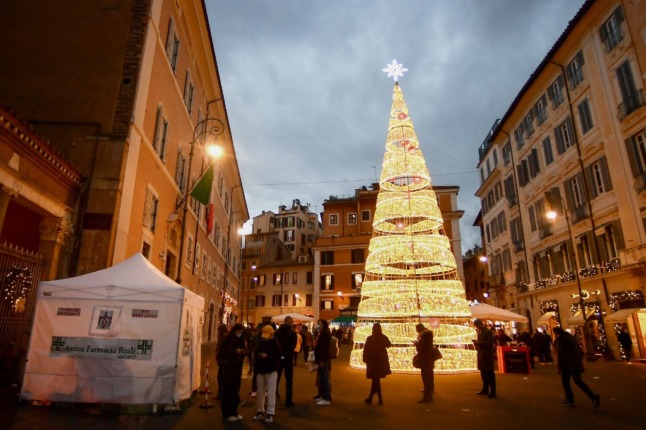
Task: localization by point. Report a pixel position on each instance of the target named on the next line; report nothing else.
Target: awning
(546, 317)
(621, 315)
(345, 319)
(576, 319)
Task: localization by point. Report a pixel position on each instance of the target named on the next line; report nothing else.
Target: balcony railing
(631, 104)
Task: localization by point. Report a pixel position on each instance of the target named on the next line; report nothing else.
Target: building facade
(129, 94)
(340, 253)
(562, 183)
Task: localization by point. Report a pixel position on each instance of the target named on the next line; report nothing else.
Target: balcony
(631, 104)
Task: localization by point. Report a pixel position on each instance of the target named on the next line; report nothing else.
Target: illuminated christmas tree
(410, 273)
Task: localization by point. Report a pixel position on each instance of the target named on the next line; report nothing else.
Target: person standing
(230, 359)
(485, 346)
(255, 340)
(299, 345)
(526, 338)
(570, 365)
(307, 342)
(287, 341)
(375, 355)
(424, 347)
(626, 342)
(322, 359)
(266, 365)
(222, 334)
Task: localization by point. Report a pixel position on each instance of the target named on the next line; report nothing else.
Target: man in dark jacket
(424, 346)
(570, 364)
(322, 359)
(485, 344)
(230, 357)
(287, 340)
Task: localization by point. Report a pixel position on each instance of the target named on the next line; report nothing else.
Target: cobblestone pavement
(525, 402)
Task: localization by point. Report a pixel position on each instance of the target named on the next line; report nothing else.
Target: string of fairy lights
(410, 272)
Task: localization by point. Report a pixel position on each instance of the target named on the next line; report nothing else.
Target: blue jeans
(323, 372)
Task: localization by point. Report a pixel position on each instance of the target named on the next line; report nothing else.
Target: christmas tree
(410, 273)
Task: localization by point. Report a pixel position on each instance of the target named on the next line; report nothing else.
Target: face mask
(319, 326)
(238, 334)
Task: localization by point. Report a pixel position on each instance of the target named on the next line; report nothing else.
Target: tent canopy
(345, 319)
(298, 318)
(134, 279)
(622, 314)
(488, 312)
(576, 319)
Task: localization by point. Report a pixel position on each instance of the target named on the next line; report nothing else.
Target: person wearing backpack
(322, 358)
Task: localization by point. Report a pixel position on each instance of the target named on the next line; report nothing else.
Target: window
(599, 177)
(309, 278)
(574, 192)
(365, 215)
(327, 282)
(276, 300)
(610, 32)
(532, 218)
(160, 139)
(189, 248)
(510, 191)
(151, 205)
(564, 135)
(145, 250)
(529, 123)
(172, 45)
(532, 161)
(295, 278)
(523, 173)
(180, 172)
(277, 278)
(334, 219)
(631, 98)
(506, 153)
(574, 71)
(327, 257)
(327, 304)
(519, 134)
(261, 280)
(540, 111)
(189, 88)
(286, 277)
(356, 280)
(352, 218)
(358, 256)
(308, 299)
(288, 235)
(295, 300)
(585, 116)
(555, 92)
(260, 301)
(547, 151)
(495, 157)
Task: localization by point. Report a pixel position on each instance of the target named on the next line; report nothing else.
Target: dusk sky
(309, 105)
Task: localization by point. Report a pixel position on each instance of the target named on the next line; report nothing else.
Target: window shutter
(164, 147)
(619, 14)
(570, 128)
(603, 33)
(550, 92)
(605, 174)
(569, 199)
(169, 37)
(560, 146)
(159, 123)
(618, 234)
(631, 150)
(582, 183)
(579, 58)
(590, 182)
(601, 246)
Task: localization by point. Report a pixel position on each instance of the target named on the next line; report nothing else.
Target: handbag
(417, 361)
(310, 357)
(437, 354)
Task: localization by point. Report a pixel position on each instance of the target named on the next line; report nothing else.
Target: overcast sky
(309, 105)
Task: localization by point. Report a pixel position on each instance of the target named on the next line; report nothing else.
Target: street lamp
(556, 199)
(251, 279)
(208, 126)
(484, 258)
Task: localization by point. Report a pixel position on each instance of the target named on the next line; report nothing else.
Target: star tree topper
(395, 70)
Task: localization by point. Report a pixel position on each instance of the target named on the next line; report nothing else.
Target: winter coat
(322, 348)
(569, 356)
(375, 355)
(287, 339)
(226, 356)
(271, 363)
(485, 346)
(424, 347)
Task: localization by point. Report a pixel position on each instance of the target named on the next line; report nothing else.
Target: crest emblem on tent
(105, 320)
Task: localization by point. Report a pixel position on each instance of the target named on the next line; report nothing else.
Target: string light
(16, 286)
(410, 272)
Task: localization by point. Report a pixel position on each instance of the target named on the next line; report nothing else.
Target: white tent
(488, 312)
(126, 334)
(298, 318)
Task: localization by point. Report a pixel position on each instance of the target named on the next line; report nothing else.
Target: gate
(19, 277)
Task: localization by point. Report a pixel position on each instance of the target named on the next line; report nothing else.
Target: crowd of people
(272, 352)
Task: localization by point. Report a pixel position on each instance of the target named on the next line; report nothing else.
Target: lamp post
(248, 285)
(551, 214)
(208, 126)
(484, 258)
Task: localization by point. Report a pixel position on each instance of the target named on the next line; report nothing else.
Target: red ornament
(402, 116)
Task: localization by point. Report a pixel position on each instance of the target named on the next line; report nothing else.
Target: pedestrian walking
(626, 342)
(230, 358)
(287, 341)
(306, 345)
(322, 359)
(222, 334)
(526, 338)
(255, 340)
(299, 344)
(570, 365)
(424, 347)
(485, 347)
(375, 355)
(266, 365)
